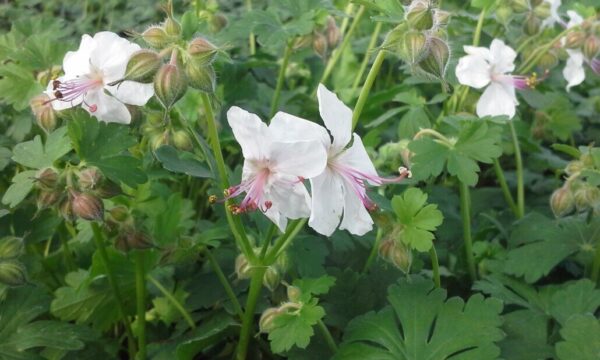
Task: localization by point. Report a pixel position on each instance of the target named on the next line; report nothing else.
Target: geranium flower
(554, 16)
(491, 67)
(574, 72)
(274, 170)
(339, 192)
(98, 62)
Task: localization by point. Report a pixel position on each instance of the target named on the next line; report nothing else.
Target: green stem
(328, 338)
(248, 320)
(281, 78)
(519, 161)
(595, 275)
(337, 53)
(477, 35)
(539, 52)
(505, 190)
(140, 293)
(435, 266)
(251, 42)
(374, 250)
(465, 212)
(365, 62)
(267, 240)
(99, 240)
(184, 313)
(235, 224)
(223, 279)
(284, 240)
(348, 11)
(364, 93)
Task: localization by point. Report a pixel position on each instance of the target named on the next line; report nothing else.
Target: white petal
(250, 132)
(286, 127)
(497, 99)
(107, 108)
(473, 71)
(111, 55)
(574, 72)
(276, 217)
(327, 202)
(336, 116)
(574, 19)
(554, 16)
(132, 93)
(61, 105)
(305, 159)
(477, 51)
(77, 63)
(502, 57)
(356, 218)
(291, 197)
(356, 157)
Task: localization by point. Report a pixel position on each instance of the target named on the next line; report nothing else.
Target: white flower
(554, 16)
(339, 192)
(274, 169)
(492, 67)
(574, 71)
(88, 71)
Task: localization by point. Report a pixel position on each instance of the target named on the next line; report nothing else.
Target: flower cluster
(279, 157)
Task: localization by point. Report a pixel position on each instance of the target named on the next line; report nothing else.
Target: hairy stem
(225, 283)
(435, 266)
(519, 162)
(280, 79)
(364, 92)
(465, 212)
(184, 313)
(140, 294)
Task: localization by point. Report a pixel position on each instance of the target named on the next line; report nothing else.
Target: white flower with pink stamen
(491, 68)
(274, 169)
(339, 194)
(98, 62)
(574, 71)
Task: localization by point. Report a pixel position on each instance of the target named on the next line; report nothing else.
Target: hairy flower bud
(201, 77)
(420, 15)
(48, 198)
(202, 51)
(11, 247)
(396, 252)
(319, 44)
(520, 5)
(574, 40)
(218, 22)
(394, 37)
(47, 178)
(86, 206)
(12, 273)
(293, 293)
(243, 269)
(108, 189)
(66, 210)
(591, 46)
(302, 42)
(90, 178)
(543, 11)
(119, 213)
(504, 14)
(441, 17)
(532, 24)
(436, 60)
(574, 167)
(562, 201)
(133, 240)
(181, 140)
(172, 27)
(160, 139)
(170, 84)
(548, 60)
(332, 33)
(266, 322)
(156, 37)
(44, 113)
(413, 46)
(586, 197)
(272, 278)
(142, 66)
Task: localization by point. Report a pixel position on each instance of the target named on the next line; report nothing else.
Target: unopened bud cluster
(393, 155)
(127, 234)
(393, 250)
(267, 321)
(323, 40)
(273, 275)
(12, 271)
(160, 132)
(421, 39)
(578, 193)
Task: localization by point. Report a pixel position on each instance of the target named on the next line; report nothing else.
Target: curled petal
(327, 202)
(473, 71)
(574, 71)
(497, 99)
(250, 132)
(106, 108)
(336, 116)
(77, 63)
(132, 93)
(356, 217)
(502, 57)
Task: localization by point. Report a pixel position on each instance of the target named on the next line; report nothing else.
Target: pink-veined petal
(111, 55)
(291, 197)
(250, 132)
(327, 202)
(356, 157)
(106, 108)
(497, 99)
(276, 217)
(473, 71)
(336, 116)
(502, 57)
(356, 218)
(132, 93)
(305, 159)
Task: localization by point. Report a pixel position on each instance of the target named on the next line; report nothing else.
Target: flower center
(70, 90)
(254, 187)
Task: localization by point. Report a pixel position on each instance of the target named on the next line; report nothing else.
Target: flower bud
(420, 16)
(44, 113)
(170, 84)
(90, 178)
(302, 42)
(119, 213)
(86, 206)
(532, 24)
(413, 46)
(293, 293)
(202, 51)
(283, 262)
(160, 139)
(587, 160)
(156, 37)
(562, 201)
(503, 14)
(11, 247)
(586, 197)
(12, 273)
(267, 319)
(441, 17)
(543, 11)
(548, 61)
(142, 66)
(172, 27)
(574, 167)
(201, 77)
(401, 257)
(591, 46)
(66, 210)
(332, 33)
(520, 5)
(48, 198)
(574, 39)
(243, 269)
(181, 140)
(394, 37)
(218, 22)
(47, 178)
(132, 240)
(108, 189)
(436, 60)
(272, 278)
(319, 44)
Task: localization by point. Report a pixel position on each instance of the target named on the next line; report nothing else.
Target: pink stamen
(595, 65)
(69, 91)
(254, 187)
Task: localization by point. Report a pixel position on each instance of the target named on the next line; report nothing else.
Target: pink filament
(70, 90)
(254, 187)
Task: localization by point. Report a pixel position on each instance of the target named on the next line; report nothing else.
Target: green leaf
(211, 331)
(418, 220)
(414, 120)
(308, 255)
(189, 24)
(295, 328)
(165, 309)
(36, 155)
(578, 298)
(17, 85)
(20, 188)
(581, 335)
(566, 149)
(482, 4)
(52, 334)
(422, 324)
(181, 162)
(526, 336)
(5, 155)
(316, 286)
